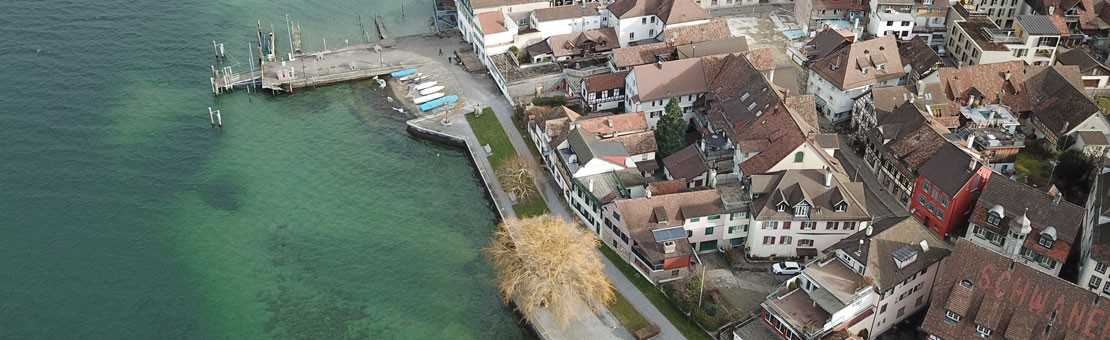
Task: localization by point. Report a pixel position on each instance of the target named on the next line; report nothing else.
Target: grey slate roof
(888, 235)
(587, 147)
(1037, 25)
(949, 169)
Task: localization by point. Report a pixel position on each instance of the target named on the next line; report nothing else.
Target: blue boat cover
(438, 102)
(402, 73)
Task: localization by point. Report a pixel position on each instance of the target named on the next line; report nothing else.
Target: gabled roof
(949, 168)
(921, 58)
(1087, 64)
(903, 132)
(492, 22)
(610, 124)
(685, 164)
(750, 112)
(791, 187)
(670, 11)
(641, 54)
(669, 79)
(1042, 210)
(1057, 102)
(826, 42)
(588, 147)
(715, 29)
(1029, 304)
(861, 63)
(570, 44)
(564, 12)
(887, 236)
(607, 81)
(713, 47)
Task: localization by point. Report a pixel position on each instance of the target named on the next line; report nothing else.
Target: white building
(517, 11)
(838, 79)
(1094, 251)
(1025, 224)
(861, 286)
(660, 234)
(640, 20)
(648, 88)
(799, 213)
(891, 17)
(976, 39)
(567, 19)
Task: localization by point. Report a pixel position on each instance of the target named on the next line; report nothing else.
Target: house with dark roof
(946, 189)
(920, 61)
(841, 77)
(860, 287)
(687, 164)
(1025, 224)
(1096, 75)
(660, 234)
(825, 42)
(640, 20)
(1094, 241)
(976, 39)
(605, 91)
(1079, 21)
(980, 293)
(574, 45)
(799, 213)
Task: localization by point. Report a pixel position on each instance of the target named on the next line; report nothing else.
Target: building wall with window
(718, 231)
(835, 103)
(905, 299)
(946, 212)
(896, 20)
(634, 29)
(781, 238)
(571, 25)
(1094, 275)
(805, 156)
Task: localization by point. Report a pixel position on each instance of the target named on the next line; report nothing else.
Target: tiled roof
(637, 143)
(744, 106)
(1092, 137)
(1087, 64)
(921, 58)
(826, 42)
(949, 168)
(713, 47)
(887, 235)
(570, 44)
(848, 5)
(793, 186)
(667, 187)
(588, 147)
(670, 11)
(1022, 302)
(641, 54)
(1057, 102)
(686, 163)
(762, 58)
(1019, 200)
(607, 81)
(716, 29)
(669, 79)
(861, 63)
(564, 12)
(609, 124)
(492, 22)
(906, 136)
(804, 110)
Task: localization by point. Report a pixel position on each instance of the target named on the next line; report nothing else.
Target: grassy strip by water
(629, 316)
(684, 325)
(489, 132)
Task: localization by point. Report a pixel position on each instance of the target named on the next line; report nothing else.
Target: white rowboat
(428, 98)
(431, 90)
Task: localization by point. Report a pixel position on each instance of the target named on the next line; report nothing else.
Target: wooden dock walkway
(356, 62)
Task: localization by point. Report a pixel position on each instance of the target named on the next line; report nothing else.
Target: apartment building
(645, 20)
(974, 38)
(648, 88)
(799, 213)
(839, 78)
(891, 17)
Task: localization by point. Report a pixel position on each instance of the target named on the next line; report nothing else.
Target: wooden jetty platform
(356, 62)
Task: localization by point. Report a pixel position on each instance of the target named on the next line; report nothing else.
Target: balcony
(1002, 36)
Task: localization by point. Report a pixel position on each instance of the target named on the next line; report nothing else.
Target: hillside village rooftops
(670, 11)
(888, 236)
(607, 81)
(564, 12)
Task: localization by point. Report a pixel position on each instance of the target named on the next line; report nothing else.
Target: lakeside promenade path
(480, 89)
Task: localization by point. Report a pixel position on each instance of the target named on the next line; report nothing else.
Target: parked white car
(786, 268)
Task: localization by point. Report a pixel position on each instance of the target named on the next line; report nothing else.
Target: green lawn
(489, 132)
(629, 316)
(531, 207)
(1104, 103)
(684, 325)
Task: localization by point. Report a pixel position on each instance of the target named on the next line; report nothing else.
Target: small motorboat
(431, 90)
(431, 105)
(428, 98)
(402, 73)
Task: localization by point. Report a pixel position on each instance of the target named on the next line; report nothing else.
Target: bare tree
(515, 176)
(545, 262)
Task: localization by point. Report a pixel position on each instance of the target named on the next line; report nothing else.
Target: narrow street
(857, 170)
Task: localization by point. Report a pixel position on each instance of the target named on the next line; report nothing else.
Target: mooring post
(211, 117)
(219, 119)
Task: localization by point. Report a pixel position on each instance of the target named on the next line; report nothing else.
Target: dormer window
(781, 206)
(983, 332)
(1046, 241)
(801, 210)
(993, 218)
(840, 206)
(951, 316)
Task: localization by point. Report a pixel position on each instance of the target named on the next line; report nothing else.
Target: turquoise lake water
(123, 215)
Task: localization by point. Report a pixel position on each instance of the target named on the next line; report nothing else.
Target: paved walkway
(857, 170)
(479, 89)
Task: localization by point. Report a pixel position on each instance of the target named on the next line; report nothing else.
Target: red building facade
(946, 189)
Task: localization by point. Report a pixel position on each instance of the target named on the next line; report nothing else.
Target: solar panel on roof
(669, 234)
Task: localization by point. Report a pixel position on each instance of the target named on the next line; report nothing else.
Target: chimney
(924, 246)
(1007, 75)
(1051, 10)
(1056, 199)
(609, 122)
(828, 178)
(970, 140)
(591, 185)
(868, 232)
